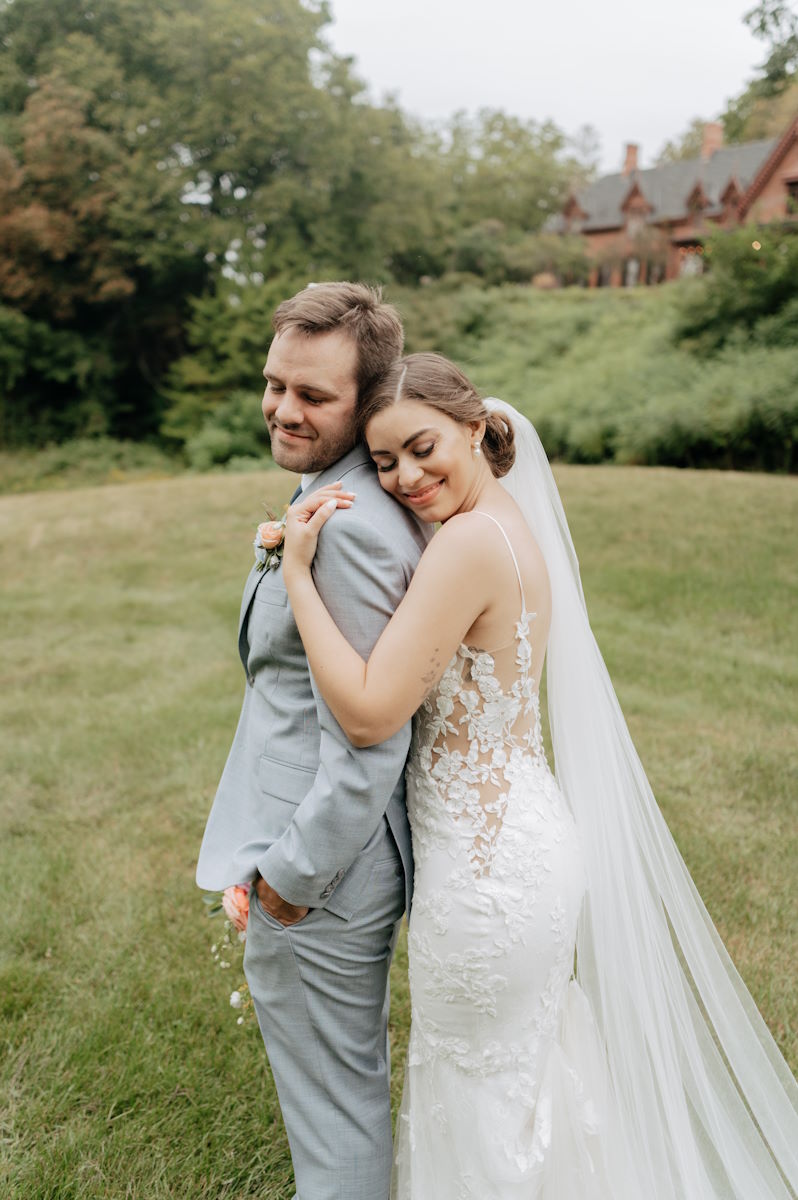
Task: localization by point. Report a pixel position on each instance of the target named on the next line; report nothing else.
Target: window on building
(792, 195)
(691, 260)
(631, 273)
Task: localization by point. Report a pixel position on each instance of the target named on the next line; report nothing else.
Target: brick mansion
(644, 226)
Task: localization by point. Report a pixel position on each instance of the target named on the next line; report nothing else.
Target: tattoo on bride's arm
(429, 677)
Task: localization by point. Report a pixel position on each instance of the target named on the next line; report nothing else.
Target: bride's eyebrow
(407, 441)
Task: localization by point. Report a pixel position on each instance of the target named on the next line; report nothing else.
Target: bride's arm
(371, 700)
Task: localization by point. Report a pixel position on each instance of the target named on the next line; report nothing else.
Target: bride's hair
(436, 381)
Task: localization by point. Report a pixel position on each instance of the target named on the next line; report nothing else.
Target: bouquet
(233, 902)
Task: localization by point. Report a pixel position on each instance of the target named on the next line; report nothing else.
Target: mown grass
(123, 1071)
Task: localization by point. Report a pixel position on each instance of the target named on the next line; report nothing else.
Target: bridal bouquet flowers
(233, 902)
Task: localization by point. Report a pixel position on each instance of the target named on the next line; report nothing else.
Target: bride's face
(425, 459)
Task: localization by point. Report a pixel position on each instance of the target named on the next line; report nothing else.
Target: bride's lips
(424, 495)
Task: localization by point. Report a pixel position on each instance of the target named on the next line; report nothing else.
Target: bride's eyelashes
(424, 452)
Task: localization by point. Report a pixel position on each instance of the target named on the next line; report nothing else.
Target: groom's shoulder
(375, 520)
(383, 508)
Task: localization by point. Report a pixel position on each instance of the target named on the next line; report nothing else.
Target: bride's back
(518, 570)
(481, 724)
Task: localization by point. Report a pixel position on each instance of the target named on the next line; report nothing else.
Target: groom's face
(310, 398)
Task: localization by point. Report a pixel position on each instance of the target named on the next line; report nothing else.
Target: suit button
(250, 680)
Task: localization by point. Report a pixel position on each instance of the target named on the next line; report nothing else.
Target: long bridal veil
(708, 1106)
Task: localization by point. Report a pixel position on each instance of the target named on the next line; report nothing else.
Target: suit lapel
(250, 587)
(356, 457)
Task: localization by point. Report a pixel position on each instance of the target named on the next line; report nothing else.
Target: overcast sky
(637, 70)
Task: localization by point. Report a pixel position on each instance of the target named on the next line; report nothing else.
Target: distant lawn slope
(600, 375)
(123, 1072)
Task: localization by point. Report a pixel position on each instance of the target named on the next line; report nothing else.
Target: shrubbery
(752, 283)
(684, 374)
(234, 433)
(605, 377)
(83, 462)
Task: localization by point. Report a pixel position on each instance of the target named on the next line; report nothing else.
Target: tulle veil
(707, 1106)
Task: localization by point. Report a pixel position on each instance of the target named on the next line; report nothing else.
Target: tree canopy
(167, 169)
(769, 101)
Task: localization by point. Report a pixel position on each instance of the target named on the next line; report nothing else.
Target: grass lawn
(123, 1072)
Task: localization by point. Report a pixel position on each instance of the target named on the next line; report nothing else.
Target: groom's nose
(289, 411)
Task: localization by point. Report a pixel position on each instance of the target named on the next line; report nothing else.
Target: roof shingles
(667, 188)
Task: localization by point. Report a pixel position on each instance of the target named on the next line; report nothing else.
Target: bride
(578, 1031)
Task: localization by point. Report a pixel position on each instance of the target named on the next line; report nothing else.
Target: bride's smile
(425, 494)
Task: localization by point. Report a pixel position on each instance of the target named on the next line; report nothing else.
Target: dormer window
(697, 201)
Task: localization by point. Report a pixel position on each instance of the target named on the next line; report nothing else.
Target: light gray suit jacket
(296, 800)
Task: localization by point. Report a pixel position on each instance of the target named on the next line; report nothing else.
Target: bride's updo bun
(498, 445)
(434, 380)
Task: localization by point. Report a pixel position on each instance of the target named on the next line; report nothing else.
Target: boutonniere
(269, 544)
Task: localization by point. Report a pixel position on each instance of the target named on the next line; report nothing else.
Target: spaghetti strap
(500, 527)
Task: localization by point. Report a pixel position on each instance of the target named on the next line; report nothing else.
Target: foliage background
(170, 170)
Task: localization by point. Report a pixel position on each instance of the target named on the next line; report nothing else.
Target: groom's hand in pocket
(275, 906)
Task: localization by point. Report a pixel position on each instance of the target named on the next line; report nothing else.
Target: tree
(752, 287)
(769, 101)
(686, 146)
(140, 140)
(502, 168)
(166, 164)
(776, 23)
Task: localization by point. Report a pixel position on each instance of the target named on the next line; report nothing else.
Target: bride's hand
(304, 520)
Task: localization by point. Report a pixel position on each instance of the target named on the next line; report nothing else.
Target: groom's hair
(358, 311)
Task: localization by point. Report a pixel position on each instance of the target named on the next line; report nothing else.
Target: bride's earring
(476, 448)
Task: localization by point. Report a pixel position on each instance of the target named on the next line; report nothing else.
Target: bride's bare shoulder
(469, 542)
(486, 536)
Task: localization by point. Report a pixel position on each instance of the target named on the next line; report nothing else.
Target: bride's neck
(484, 489)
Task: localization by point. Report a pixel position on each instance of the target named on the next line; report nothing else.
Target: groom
(317, 826)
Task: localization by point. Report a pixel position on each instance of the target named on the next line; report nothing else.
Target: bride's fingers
(322, 514)
(304, 509)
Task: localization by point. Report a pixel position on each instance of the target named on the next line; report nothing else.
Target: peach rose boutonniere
(269, 544)
(233, 902)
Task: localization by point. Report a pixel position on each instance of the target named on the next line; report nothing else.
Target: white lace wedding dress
(503, 1077)
(653, 1076)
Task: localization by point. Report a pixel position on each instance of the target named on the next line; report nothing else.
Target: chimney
(630, 162)
(712, 140)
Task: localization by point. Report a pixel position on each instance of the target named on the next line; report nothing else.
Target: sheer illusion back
(498, 888)
(486, 706)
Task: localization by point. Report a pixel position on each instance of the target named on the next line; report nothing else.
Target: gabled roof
(668, 188)
(767, 167)
(635, 200)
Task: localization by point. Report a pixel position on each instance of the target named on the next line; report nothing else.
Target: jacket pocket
(284, 781)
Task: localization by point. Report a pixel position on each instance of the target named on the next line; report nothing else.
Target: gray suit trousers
(320, 990)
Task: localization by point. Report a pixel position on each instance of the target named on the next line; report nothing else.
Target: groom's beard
(310, 450)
